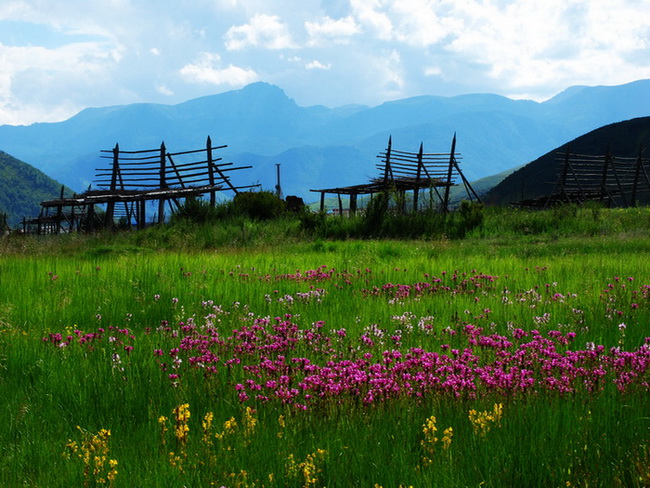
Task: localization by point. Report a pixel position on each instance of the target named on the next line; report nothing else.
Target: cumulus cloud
(372, 15)
(207, 69)
(35, 76)
(75, 53)
(265, 31)
(328, 30)
(558, 42)
(315, 64)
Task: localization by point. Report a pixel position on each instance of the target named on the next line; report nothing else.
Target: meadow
(254, 355)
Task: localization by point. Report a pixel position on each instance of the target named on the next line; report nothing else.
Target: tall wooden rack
(133, 178)
(402, 172)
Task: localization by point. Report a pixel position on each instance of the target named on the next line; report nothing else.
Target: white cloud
(56, 56)
(555, 43)
(318, 65)
(164, 90)
(328, 30)
(32, 76)
(207, 69)
(370, 16)
(265, 31)
(423, 23)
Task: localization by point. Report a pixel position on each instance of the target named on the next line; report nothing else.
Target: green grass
(164, 276)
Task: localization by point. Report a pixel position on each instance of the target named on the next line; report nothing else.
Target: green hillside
(538, 178)
(23, 188)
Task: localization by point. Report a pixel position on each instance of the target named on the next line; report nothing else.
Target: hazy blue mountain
(321, 147)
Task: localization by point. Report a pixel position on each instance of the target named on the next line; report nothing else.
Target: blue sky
(59, 57)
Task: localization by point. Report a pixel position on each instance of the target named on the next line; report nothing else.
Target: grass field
(507, 358)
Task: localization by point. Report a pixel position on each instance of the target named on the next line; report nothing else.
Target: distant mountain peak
(262, 126)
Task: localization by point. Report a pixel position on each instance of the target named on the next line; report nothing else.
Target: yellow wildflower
(446, 438)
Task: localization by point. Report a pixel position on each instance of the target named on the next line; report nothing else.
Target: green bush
(200, 211)
(261, 205)
(471, 216)
(376, 213)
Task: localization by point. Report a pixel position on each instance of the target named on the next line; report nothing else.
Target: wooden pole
(618, 181)
(163, 184)
(322, 201)
(387, 169)
(208, 148)
(110, 206)
(353, 204)
(90, 218)
(143, 217)
(445, 203)
(565, 173)
(278, 187)
(416, 191)
(59, 212)
(637, 174)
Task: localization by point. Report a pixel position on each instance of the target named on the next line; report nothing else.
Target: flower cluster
(482, 422)
(93, 454)
(263, 355)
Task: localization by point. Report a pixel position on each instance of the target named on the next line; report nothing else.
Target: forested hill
(23, 188)
(538, 178)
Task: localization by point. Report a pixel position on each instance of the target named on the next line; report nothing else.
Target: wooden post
(322, 201)
(278, 187)
(110, 206)
(340, 205)
(141, 215)
(565, 173)
(416, 191)
(637, 174)
(603, 179)
(208, 148)
(90, 218)
(59, 212)
(445, 203)
(387, 169)
(163, 184)
(353, 203)
(618, 181)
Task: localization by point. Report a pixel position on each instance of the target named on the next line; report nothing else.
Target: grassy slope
(23, 188)
(537, 178)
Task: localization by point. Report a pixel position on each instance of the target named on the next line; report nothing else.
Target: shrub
(200, 211)
(471, 216)
(261, 205)
(376, 213)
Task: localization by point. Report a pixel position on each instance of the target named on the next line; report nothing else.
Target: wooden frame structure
(612, 180)
(403, 171)
(133, 178)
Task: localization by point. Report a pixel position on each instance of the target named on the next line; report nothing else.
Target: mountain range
(320, 147)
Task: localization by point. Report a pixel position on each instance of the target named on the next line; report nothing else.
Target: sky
(58, 57)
